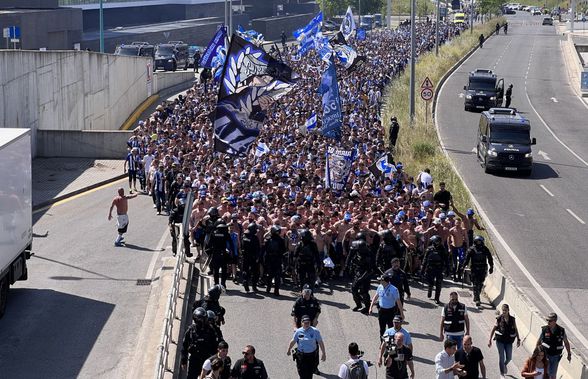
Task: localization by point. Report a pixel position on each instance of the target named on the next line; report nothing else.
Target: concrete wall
(82, 144)
(272, 27)
(165, 80)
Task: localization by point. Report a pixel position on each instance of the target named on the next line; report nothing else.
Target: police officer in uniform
(308, 305)
(389, 303)
(359, 266)
(199, 343)
(553, 338)
(455, 322)
(399, 279)
(212, 322)
(433, 266)
(250, 252)
(307, 259)
(389, 249)
(210, 302)
(275, 248)
(480, 258)
(219, 238)
(308, 339)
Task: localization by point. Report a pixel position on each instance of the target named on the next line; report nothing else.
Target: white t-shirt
(344, 370)
(426, 179)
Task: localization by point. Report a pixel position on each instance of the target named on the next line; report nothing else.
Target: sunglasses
(246, 353)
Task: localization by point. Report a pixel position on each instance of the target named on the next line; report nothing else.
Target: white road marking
(546, 190)
(154, 258)
(554, 100)
(576, 217)
(544, 155)
(552, 304)
(461, 95)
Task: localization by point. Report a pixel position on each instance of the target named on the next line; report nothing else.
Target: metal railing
(172, 299)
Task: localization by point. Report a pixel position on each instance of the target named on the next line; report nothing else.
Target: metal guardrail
(172, 299)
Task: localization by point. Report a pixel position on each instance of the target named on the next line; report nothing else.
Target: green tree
(424, 8)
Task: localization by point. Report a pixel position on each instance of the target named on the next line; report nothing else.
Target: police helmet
(306, 288)
(220, 225)
(275, 230)
(211, 315)
(212, 212)
(306, 235)
(252, 228)
(435, 240)
(199, 314)
(478, 240)
(215, 291)
(387, 236)
(360, 236)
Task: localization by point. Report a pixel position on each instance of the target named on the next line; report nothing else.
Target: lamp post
(437, 28)
(412, 58)
(230, 17)
(389, 14)
(101, 27)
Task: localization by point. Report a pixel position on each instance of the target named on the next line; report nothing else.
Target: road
(79, 314)
(543, 217)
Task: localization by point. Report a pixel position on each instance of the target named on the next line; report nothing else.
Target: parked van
(171, 56)
(504, 141)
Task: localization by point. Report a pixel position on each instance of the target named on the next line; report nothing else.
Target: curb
(499, 287)
(47, 203)
(139, 111)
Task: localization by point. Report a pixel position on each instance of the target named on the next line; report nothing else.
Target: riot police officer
(199, 343)
(479, 258)
(389, 249)
(219, 238)
(308, 305)
(211, 302)
(275, 248)
(250, 251)
(212, 322)
(433, 264)
(359, 266)
(307, 259)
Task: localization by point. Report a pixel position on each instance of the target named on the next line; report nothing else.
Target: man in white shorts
(122, 207)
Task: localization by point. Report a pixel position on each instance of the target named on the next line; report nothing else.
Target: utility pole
(230, 17)
(573, 16)
(227, 16)
(359, 11)
(389, 14)
(437, 28)
(101, 27)
(412, 58)
(471, 16)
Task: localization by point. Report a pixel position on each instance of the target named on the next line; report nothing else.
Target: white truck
(16, 228)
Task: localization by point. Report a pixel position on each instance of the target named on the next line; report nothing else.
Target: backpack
(356, 370)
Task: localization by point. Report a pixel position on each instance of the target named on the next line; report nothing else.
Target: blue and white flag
(346, 55)
(360, 34)
(338, 167)
(311, 29)
(250, 35)
(348, 24)
(382, 167)
(261, 149)
(311, 122)
(215, 48)
(332, 116)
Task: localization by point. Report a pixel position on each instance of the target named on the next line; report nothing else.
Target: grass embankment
(418, 146)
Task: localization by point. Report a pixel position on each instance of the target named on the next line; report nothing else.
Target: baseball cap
(347, 216)
(470, 212)
(397, 318)
(551, 317)
(426, 203)
(305, 318)
(442, 216)
(388, 188)
(451, 214)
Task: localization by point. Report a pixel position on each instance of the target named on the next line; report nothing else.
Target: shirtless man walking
(121, 202)
(458, 244)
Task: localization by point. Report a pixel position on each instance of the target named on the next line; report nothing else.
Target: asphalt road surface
(543, 217)
(79, 313)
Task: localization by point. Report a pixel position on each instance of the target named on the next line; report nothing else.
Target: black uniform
(211, 303)
(389, 249)
(250, 252)
(200, 343)
(310, 307)
(508, 96)
(217, 247)
(433, 268)
(360, 265)
(394, 129)
(275, 248)
(400, 281)
(480, 258)
(245, 370)
(307, 260)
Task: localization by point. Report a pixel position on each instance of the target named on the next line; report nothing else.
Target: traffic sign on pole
(427, 83)
(427, 94)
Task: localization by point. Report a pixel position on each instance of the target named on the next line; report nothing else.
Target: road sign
(427, 83)
(427, 94)
(6, 32)
(584, 81)
(14, 32)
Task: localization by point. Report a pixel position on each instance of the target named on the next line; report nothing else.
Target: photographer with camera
(388, 338)
(355, 367)
(397, 358)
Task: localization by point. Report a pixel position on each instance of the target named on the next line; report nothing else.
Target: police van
(504, 141)
(483, 91)
(171, 56)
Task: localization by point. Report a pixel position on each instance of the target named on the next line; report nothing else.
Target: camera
(360, 355)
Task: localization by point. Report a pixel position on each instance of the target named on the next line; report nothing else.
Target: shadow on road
(49, 334)
(100, 276)
(540, 171)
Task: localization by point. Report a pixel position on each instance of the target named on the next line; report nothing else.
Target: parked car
(547, 21)
(171, 56)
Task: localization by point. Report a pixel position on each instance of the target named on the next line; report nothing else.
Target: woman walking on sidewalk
(505, 331)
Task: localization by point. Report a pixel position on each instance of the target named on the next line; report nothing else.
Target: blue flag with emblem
(307, 36)
(332, 116)
(215, 48)
(348, 24)
(360, 34)
(338, 167)
(311, 122)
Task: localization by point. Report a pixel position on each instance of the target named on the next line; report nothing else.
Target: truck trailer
(16, 227)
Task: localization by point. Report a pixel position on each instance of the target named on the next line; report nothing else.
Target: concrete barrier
(104, 144)
(165, 80)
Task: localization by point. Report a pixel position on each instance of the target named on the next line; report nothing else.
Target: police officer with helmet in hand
(275, 248)
(433, 266)
(308, 339)
(307, 259)
(307, 305)
(479, 258)
(199, 343)
(359, 264)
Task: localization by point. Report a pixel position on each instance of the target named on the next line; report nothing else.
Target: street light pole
(412, 58)
(230, 17)
(101, 27)
(437, 28)
(472, 17)
(389, 14)
(227, 15)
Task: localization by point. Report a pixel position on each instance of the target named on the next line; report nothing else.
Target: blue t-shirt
(307, 339)
(387, 296)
